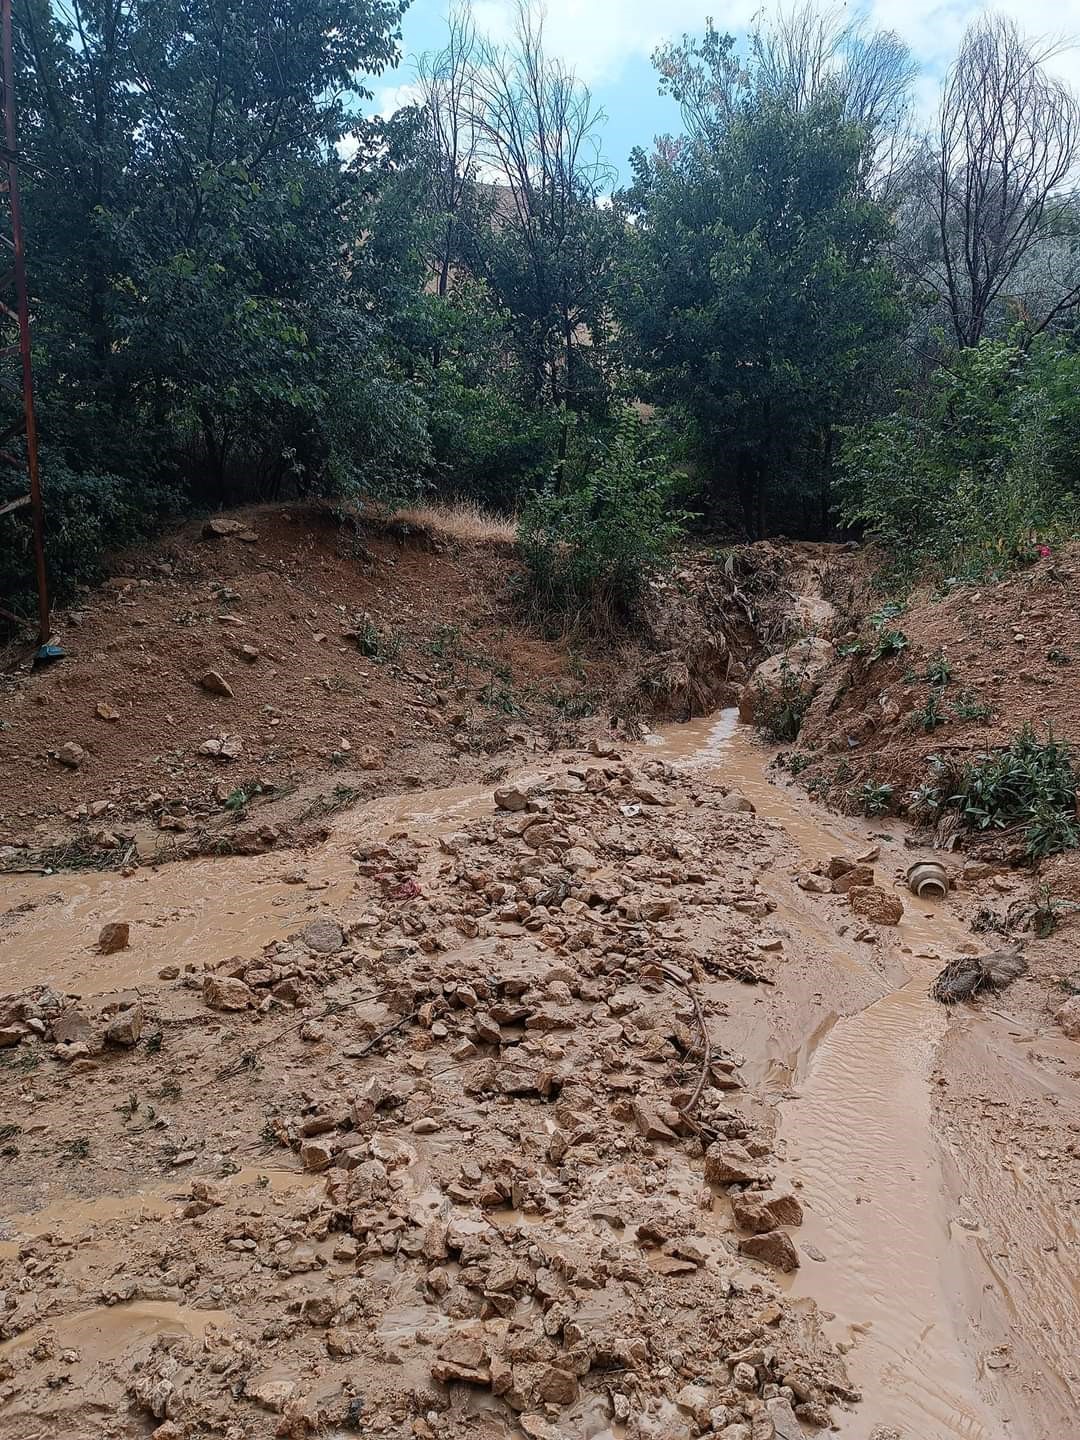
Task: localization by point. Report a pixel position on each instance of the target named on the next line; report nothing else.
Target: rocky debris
(223, 992)
(114, 936)
(880, 907)
(773, 1247)
(803, 664)
(511, 797)
(104, 711)
(220, 527)
(763, 1210)
(126, 1028)
(214, 683)
(729, 1163)
(71, 754)
(1068, 1017)
(324, 936)
(224, 747)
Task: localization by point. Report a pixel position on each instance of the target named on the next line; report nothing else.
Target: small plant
(968, 706)
(874, 799)
(798, 761)
(1031, 785)
(1058, 657)
(890, 643)
(77, 1149)
(931, 715)
(153, 1042)
(939, 672)
(778, 715)
(891, 610)
(378, 645)
(1045, 917)
(851, 648)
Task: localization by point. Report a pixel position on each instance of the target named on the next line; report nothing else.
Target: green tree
(755, 298)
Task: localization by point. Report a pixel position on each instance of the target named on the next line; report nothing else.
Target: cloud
(598, 37)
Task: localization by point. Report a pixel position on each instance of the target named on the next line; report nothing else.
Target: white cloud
(391, 98)
(598, 37)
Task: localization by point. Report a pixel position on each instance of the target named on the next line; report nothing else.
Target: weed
(930, 716)
(873, 798)
(1031, 785)
(1058, 657)
(939, 671)
(378, 645)
(153, 1042)
(778, 716)
(130, 1108)
(889, 643)
(798, 761)
(852, 648)
(77, 1149)
(78, 854)
(891, 610)
(1045, 916)
(343, 797)
(969, 707)
(500, 697)
(170, 1090)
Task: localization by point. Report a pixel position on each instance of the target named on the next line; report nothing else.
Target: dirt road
(457, 1162)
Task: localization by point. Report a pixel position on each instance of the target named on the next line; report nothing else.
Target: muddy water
(860, 1139)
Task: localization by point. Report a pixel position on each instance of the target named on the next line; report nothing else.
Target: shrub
(86, 515)
(874, 798)
(1031, 785)
(778, 715)
(592, 550)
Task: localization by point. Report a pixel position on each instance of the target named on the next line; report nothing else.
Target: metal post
(22, 308)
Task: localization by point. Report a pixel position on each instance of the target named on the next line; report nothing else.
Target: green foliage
(889, 643)
(968, 706)
(754, 297)
(873, 798)
(938, 671)
(931, 715)
(778, 715)
(592, 549)
(1031, 785)
(978, 471)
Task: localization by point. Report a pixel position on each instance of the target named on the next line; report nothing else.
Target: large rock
(775, 1248)
(1068, 1017)
(762, 1210)
(806, 662)
(224, 992)
(876, 905)
(729, 1163)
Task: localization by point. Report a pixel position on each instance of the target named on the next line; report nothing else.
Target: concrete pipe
(929, 880)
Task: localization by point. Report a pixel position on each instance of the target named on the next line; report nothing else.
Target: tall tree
(1008, 144)
(756, 300)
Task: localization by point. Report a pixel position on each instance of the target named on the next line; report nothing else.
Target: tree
(538, 237)
(1008, 146)
(192, 221)
(755, 297)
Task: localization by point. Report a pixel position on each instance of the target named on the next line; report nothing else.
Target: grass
(459, 520)
(78, 854)
(1030, 786)
(779, 716)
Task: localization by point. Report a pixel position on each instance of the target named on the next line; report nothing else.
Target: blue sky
(608, 43)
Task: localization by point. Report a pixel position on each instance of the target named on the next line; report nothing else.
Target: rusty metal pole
(22, 307)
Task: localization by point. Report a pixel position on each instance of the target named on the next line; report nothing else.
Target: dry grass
(460, 520)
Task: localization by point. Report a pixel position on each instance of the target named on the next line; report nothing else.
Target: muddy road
(418, 1133)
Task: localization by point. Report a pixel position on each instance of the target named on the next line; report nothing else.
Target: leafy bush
(86, 515)
(981, 473)
(874, 799)
(1031, 785)
(778, 715)
(591, 551)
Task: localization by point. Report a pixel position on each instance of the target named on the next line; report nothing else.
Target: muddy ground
(599, 1097)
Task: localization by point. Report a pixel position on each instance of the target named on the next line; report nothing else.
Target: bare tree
(540, 244)
(1008, 144)
(445, 82)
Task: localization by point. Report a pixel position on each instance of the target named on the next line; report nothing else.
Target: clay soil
(548, 1087)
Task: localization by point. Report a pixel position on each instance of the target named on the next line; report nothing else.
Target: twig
(686, 1111)
(390, 1030)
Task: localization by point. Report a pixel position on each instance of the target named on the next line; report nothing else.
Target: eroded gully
(903, 1284)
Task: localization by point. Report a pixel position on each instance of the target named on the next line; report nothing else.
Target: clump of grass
(874, 798)
(930, 716)
(939, 672)
(459, 520)
(1030, 786)
(342, 798)
(81, 853)
(969, 707)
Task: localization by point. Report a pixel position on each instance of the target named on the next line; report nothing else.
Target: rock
(815, 884)
(11, 1035)
(784, 1419)
(223, 992)
(105, 711)
(698, 1401)
(805, 662)
(324, 936)
(248, 653)
(775, 1248)
(728, 1163)
(762, 1210)
(71, 754)
(114, 936)
(464, 1357)
(126, 1027)
(876, 905)
(735, 804)
(862, 875)
(1068, 1017)
(557, 1386)
(215, 683)
(370, 758)
(510, 797)
(219, 528)
(227, 747)
(71, 1027)
(650, 1125)
(317, 1154)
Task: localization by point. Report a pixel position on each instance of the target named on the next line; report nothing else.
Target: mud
(828, 1060)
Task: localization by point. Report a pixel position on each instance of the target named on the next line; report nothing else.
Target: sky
(608, 44)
